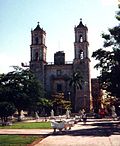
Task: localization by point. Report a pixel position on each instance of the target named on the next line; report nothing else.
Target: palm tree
(76, 81)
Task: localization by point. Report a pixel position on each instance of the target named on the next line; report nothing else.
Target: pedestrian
(80, 114)
(113, 110)
(102, 113)
(84, 117)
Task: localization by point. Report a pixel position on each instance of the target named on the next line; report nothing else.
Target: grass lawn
(28, 125)
(18, 140)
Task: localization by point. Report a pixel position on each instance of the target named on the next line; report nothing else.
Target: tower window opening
(81, 54)
(36, 56)
(58, 72)
(59, 87)
(81, 38)
(36, 40)
(43, 40)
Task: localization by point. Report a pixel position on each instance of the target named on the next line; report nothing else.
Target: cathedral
(54, 76)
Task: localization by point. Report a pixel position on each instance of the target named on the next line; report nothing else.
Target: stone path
(92, 134)
(26, 131)
(67, 140)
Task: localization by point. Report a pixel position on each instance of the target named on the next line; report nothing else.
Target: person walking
(84, 117)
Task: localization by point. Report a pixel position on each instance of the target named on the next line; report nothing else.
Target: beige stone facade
(54, 76)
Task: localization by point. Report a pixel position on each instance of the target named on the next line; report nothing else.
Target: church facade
(54, 76)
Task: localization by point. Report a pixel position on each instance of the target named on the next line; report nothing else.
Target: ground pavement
(96, 132)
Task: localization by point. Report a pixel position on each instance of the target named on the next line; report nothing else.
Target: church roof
(38, 28)
(81, 24)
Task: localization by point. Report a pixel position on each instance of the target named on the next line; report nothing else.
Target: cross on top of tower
(81, 24)
(37, 27)
(38, 22)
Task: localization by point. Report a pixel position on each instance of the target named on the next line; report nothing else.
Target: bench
(60, 125)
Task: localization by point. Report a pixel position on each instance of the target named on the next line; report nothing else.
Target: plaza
(96, 132)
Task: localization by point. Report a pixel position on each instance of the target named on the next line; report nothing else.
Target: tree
(59, 103)
(21, 88)
(76, 81)
(6, 110)
(109, 60)
(44, 106)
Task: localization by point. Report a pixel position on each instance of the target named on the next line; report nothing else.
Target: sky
(58, 18)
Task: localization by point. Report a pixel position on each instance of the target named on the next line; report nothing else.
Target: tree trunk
(19, 115)
(74, 100)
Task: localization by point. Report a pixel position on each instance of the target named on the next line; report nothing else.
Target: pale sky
(57, 18)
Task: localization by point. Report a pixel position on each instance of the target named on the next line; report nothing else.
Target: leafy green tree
(21, 88)
(59, 103)
(109, 60)
(6, 110)
(76, 81)
(44, 106)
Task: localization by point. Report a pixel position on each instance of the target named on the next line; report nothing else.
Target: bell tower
(81, 63)
(81, 42)
(38, 52)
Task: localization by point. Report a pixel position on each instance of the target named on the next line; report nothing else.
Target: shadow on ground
(95, 129)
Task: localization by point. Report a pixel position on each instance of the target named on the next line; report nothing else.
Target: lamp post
(69, 95)
(84, 101)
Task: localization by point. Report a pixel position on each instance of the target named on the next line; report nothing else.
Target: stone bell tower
(38, 52)
(82, 63)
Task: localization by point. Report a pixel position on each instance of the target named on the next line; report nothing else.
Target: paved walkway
(94, 133)
(26, 131)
